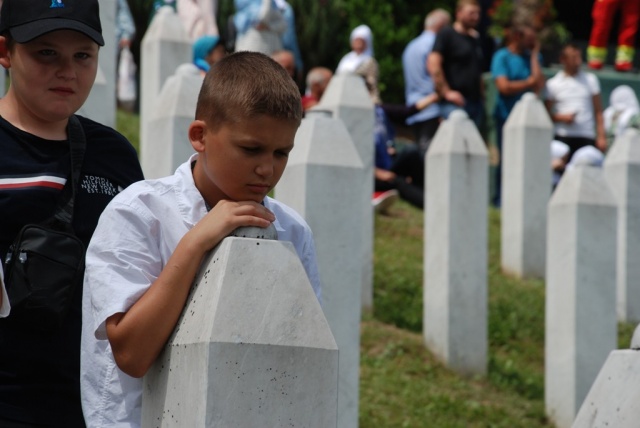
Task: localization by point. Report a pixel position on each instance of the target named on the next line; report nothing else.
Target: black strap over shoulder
(77, 141)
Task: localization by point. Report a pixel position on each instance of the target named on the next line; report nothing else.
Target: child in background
(151, 240)
(208, 50)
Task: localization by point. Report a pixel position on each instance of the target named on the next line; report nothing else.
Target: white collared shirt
(135, 237)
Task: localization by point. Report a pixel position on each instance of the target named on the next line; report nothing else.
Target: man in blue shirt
(515, 69)
(418, 82)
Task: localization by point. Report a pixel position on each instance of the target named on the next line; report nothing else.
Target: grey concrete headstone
(622, 170)
(323, 182)
(526, 186)
(580, 322)
(613, 399)
(252, 347)
(101, 103)
(164, 47)
(635, 339)
(91, 107)
(168, 129)
(347, 98)
(455, 255)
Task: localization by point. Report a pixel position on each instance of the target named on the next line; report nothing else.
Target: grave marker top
(529, 112)
(587, 187)
(625, 149)
(458, 134)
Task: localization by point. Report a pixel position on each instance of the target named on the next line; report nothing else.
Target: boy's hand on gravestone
(227, 216)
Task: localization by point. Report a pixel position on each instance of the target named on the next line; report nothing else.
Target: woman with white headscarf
(623, 112)
(259, 25)
(361, 61)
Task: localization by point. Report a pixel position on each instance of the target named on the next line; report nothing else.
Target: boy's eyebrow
(47, 44)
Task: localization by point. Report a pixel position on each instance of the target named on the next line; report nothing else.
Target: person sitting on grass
(152, 239)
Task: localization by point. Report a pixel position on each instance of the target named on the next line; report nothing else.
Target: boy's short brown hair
(245, 85)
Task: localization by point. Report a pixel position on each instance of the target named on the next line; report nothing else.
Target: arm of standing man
(536, 69)
(434, 66)
(534, 83)
(558, 117)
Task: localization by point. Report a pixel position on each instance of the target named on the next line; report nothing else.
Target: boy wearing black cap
(50, 48)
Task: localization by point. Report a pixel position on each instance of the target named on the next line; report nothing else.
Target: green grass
(401, 383)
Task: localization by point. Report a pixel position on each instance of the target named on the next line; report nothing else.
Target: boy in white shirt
(151, 240)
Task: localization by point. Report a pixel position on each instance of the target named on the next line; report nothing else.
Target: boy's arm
(558, 117)
(138, 336)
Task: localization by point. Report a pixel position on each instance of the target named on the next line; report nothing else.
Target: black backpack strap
(77, 142)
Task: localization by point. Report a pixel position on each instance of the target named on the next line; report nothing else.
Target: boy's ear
(5, 59)
(196, 135)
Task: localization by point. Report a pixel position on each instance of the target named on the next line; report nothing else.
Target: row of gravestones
(333, 147)
(583, 241)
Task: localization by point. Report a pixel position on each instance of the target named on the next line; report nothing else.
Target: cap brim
(26, 32)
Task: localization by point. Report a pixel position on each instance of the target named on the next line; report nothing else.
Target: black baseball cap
(27, 19)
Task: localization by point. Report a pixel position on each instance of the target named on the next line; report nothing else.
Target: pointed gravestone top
(625, 149)
(458, 134)
(346, 90)
(529, 112)
(324, 141)
(583, 185)
(166, 25)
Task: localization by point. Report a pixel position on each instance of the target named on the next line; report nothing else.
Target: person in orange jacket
(603, 13)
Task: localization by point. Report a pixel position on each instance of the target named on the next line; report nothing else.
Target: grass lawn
(401, 383)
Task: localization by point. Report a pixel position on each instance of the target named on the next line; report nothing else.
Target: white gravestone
(174, 111)
(455, 235)
(323, 182)
(613, 399)
(347, 97)
(622, 170)
(580, 322)
(526, 186)
(101, 103)
(252, 347)
(91, 107)
(164, 47)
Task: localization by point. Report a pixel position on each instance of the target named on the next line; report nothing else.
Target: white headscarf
(623, 105)
(351, 61)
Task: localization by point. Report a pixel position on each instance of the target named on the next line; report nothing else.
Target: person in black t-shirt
(455, 64)
(51, 51)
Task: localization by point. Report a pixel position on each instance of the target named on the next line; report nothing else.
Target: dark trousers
(424, 132)
(408, 165)
(575, 143)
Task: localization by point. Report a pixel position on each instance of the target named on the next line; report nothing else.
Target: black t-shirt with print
(39, 374)
(461, 61)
